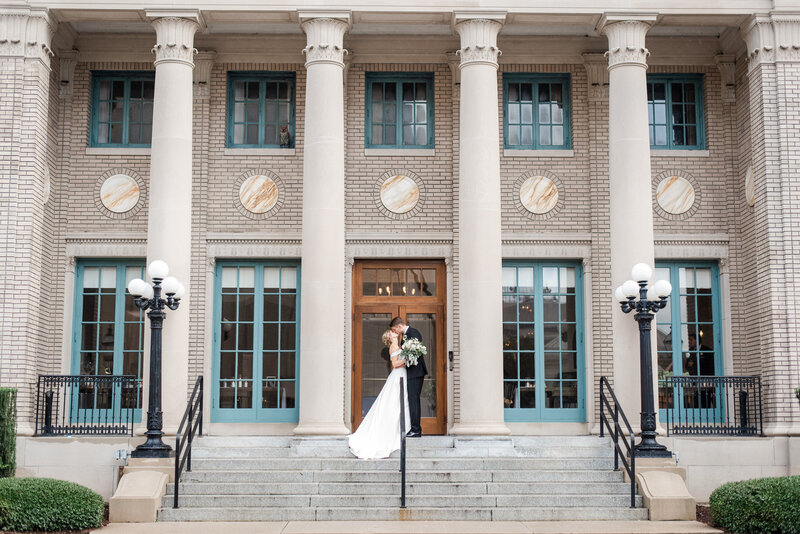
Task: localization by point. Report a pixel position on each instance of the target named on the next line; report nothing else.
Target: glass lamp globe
(630, 289)
(148, 291)
(662, 289)
(641, 272)
(158, 269)
(170, 285)
(181, 291)
(136, 287)
(619, 295)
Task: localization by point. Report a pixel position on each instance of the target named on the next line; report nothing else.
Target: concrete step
(543, 513)
(414, 464)
(342, 451)
(313, 488)
(414, 501)
(425, 441)
(392, 475)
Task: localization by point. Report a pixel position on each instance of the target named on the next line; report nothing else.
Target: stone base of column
(321, 429)
(480, 429)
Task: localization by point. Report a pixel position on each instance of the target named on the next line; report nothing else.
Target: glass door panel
(426, 324)
(375, 360)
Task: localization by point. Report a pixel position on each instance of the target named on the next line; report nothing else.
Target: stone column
(27, 340)
(322, 335)
(169, 226)
(479, 225)
(631, 210)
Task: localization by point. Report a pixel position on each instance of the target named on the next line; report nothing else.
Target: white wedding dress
(378, 436)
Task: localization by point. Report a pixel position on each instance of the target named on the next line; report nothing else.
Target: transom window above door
(261, 109)
(399, 110)
(398, 282)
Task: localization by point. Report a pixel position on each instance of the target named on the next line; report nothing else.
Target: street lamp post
(645, 310)
(149, 298)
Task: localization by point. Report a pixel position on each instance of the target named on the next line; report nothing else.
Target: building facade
(490, 173)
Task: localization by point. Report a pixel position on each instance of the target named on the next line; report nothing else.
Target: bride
(379, 433)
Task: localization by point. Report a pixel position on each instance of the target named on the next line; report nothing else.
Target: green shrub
(762, 505)
(48, 504)
(8, 432)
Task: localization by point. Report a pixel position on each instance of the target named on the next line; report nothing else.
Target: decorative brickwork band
(626, 42)
(26, 33)
(478, 42)
(325, 38)
(175, 40)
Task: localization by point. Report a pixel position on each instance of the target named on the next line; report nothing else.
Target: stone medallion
(750, 186)
(258, 194)
(538, 194)
(399, 194)
(120, 193)
(675, 195)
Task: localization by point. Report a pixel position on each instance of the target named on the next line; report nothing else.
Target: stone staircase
(448, 478)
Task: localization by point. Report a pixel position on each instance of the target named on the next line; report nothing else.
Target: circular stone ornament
(676, 194)
(399, 194)
(750, 186)
(258, 194)
(120, 193)
(538, 194)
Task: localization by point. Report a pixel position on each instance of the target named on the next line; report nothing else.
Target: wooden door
(414, 290)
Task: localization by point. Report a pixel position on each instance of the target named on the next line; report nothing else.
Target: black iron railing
(711, 405)
(402, 444)
(87, 405)
(613, 413)
(191, 424)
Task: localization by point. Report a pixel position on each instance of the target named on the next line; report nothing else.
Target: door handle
(450, 358)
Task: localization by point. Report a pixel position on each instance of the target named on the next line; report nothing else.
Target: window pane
(408, 135)
(661, 135)
(544, 113)
(422, 91)
(408, 92)
(422, 135)
(526, 92)
(513, 113)
(391, 92)
(544, 135)
(116, 134)
(377, 134)
(558, 135)
(510, 365)
(527, 135)
(408, 113)
(513, 135)
(527, 367)
(390, 135)
(509, 279)
(513, 92)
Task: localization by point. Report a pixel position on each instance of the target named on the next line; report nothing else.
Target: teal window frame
(256, 413)
(126, 77)
(695, 81)
(535, 121)
(398, 79)
(263, 79)
(676, 323)
(541, 413)
(120, 322)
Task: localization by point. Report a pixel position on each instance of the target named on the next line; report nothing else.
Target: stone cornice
(626, 38)
(175, 40)
(478, 41)
(26, 32)
(324, 39)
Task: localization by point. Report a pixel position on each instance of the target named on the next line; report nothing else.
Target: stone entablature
(26, 32)
(772, 37)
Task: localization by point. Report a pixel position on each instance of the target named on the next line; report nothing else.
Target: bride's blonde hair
(387, 337)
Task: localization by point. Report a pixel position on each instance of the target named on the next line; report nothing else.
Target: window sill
(260, 152)
(678, 153)
(117, 151)
(401, 152)
(511, 153)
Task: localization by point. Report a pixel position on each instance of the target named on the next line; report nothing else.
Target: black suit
(416, 375)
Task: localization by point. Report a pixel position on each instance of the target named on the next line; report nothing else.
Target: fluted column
(631, 210)
(321, 398)
(169, 225)
(479, 224)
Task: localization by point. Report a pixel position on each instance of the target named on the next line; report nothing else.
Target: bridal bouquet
(413, 349)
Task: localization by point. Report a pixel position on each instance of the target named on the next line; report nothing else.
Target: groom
(415, 373)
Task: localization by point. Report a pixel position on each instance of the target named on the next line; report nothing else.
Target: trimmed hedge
(761, 505)
(34, 504)
(8, 432)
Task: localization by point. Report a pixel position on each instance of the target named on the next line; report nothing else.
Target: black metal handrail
(616, 434)
(402, 444)
(193, 421)
(711, 405)
(87, 405)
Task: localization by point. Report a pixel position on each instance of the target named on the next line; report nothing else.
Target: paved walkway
(415, 527)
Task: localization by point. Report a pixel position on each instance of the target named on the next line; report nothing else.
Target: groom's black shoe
(414, 434)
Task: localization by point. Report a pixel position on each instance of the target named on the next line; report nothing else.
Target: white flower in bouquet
(413, 349)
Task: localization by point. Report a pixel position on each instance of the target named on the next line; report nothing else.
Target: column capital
(478, 32)
(175, 35)
(626, 36)
(759, 35)
(26, 32)
(324, 36)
